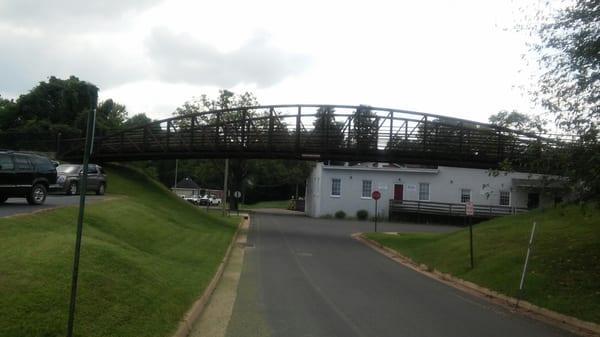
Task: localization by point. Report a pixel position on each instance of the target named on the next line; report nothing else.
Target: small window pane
(465, 195)
(504, 198)
(366, 188)
(6, 163)
(336, 186)
(423, 191)
(92, 169)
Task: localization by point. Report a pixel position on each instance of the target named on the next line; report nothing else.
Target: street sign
(376, 195)
(237, 194)
(469, 208)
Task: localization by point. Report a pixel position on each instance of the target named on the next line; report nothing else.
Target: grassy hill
(146, 255)
(564, 270)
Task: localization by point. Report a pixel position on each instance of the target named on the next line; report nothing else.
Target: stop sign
(376, 195)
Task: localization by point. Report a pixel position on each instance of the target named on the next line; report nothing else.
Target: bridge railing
(315, 131)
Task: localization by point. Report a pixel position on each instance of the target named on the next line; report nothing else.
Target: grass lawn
(146, 255)
(564, 269)
(282, 204)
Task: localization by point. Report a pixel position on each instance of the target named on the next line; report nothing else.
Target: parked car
(210, 200)
(214, 201)
(192, 199)
(69, 176)
(25, 175)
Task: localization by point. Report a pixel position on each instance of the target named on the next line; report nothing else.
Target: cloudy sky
(456, 58)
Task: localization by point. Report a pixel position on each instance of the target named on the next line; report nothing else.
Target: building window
(465, 195)
(366, 188)
(504, 198)
(423, 191)
(336, 187)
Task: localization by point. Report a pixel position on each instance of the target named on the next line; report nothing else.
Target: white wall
(445, 184)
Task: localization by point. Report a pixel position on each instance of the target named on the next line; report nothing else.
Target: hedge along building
(348, 188)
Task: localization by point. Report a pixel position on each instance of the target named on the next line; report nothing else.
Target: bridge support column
(225, 199)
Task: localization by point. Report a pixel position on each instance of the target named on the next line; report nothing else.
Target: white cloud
(453, 58)
(180, 58)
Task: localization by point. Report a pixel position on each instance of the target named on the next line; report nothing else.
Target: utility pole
(225, 185)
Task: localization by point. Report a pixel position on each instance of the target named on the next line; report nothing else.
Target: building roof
(381, 167)
(539, 183)
(187, 182)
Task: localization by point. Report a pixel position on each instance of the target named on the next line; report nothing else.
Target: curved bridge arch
(315, 132)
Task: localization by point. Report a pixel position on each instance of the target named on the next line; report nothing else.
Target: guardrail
(450, 209)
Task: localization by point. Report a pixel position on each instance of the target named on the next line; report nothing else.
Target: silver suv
(69, 176)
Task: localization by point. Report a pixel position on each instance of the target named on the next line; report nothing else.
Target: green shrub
(340, 214)
(362, 214)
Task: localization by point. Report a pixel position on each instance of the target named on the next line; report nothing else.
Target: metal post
(471, 241)
(375, 215)
(225, 185)
(176, 163)
(529, 249)
(83, 188)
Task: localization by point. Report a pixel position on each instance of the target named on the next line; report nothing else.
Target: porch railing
(450, 209)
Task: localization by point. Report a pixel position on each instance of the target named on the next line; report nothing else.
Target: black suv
(25, 175)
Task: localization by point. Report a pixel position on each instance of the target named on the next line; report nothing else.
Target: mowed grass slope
(146, 255)
(564, 269)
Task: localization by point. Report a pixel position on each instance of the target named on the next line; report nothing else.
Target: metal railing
(450, 209)
(321, 132)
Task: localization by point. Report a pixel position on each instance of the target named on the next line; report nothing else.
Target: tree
(569, 53)
(326, 132)
(519, 121)
(137, 120)
(57, 102)
(8, 113)
(365, 128)
(110, 115)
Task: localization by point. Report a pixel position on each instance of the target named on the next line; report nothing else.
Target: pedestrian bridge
(315, 132)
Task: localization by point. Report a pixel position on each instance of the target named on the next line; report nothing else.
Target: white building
(331, 188)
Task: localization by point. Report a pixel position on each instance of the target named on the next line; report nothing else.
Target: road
(15, 206)
(308, 277)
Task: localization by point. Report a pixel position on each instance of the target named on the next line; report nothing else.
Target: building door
(398, 192)
(533, 200)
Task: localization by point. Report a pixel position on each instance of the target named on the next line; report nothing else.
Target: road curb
(192, 315)
(49, 209)
(569, 323)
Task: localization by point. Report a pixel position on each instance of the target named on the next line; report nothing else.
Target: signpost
(529, 248)
(237, 195)
(470, 211)
(376, 195)
(89, 144)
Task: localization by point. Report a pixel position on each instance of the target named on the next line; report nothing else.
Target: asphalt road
(308, 277)
(15, 206)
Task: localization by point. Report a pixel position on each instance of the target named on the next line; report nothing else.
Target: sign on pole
(237, 194)
(470, 211)
(376, 195)
(469, 208)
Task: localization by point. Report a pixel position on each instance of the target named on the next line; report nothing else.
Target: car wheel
(37, 195)
(3, 199)
(101, 189)
(72, 188)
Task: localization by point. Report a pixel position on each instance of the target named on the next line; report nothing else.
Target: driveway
(308, 277)
(15, 206)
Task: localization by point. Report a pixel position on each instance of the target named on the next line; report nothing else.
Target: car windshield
(67, 168)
